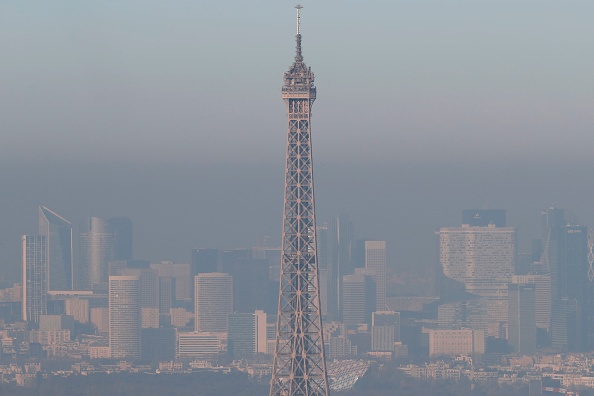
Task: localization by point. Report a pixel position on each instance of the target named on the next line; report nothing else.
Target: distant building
(101, 241)
(522, 318)
(213, 301)
(149, 317)
(251, 287)
(181, 272)
(124, 317)
(78, 308)
(481, 260)
(385, 331)
(456, 342)
(96, 248)
(359, 297)
(199, 345)
(58, 233)
(340, 247)
(34, 277)
(542, 297)
(121, 227)
(100, 318)
(484, 217)
(470, 314)
(375, 261)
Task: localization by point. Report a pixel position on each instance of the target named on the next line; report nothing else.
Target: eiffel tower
(299, 363)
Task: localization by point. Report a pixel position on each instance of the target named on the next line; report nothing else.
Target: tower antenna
(298, 7)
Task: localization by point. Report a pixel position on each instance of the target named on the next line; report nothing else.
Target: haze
(170, 113)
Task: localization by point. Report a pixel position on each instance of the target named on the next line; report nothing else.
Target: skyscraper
(340, 261)
(299, 366)
(96, 245)
(58, 233)
(34, 277)
(522, 318)
(359, 298)
(242, 334)
(121, 228)
(102, 241)
(375, 261)
(481, 259)
(124, 317)
(213, 301)
(571, 283)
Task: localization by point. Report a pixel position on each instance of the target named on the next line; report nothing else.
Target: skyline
(177, 174)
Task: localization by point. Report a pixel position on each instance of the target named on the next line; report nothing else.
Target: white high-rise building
(375, 260)
(34, 277)
(124, 317)
(482, 260)
(213, 301)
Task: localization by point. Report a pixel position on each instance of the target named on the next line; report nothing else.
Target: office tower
(242, 335)
(34, 277)
(385, 330)
(483, 217)
(181, 272)
(124, 317)
(205, 260)
(340, 261)
(299, 366)
(521, 328)
(166, 294)
(121, 227)
(551, 221)
(251, 285)
(261, 331)
(58, 234)
(230, 258)
(149, 285)
(570, 282)
(96, 245)
(213, 301)
(359, 298)
(542, 302)
(375, 261)
(481, 260)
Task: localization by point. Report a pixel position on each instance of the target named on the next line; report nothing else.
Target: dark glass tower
(58, 233)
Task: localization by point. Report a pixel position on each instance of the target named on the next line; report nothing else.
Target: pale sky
(201, 80)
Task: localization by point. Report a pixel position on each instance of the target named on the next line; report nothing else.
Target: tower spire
(298, 55)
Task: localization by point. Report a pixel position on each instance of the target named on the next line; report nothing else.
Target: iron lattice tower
(299, 363)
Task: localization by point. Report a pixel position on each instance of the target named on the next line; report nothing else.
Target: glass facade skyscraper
(58, 233)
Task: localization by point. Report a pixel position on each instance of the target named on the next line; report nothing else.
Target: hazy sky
(201, 80)
(169, 112)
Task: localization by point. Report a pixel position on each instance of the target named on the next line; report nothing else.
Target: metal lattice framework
(299, 362)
